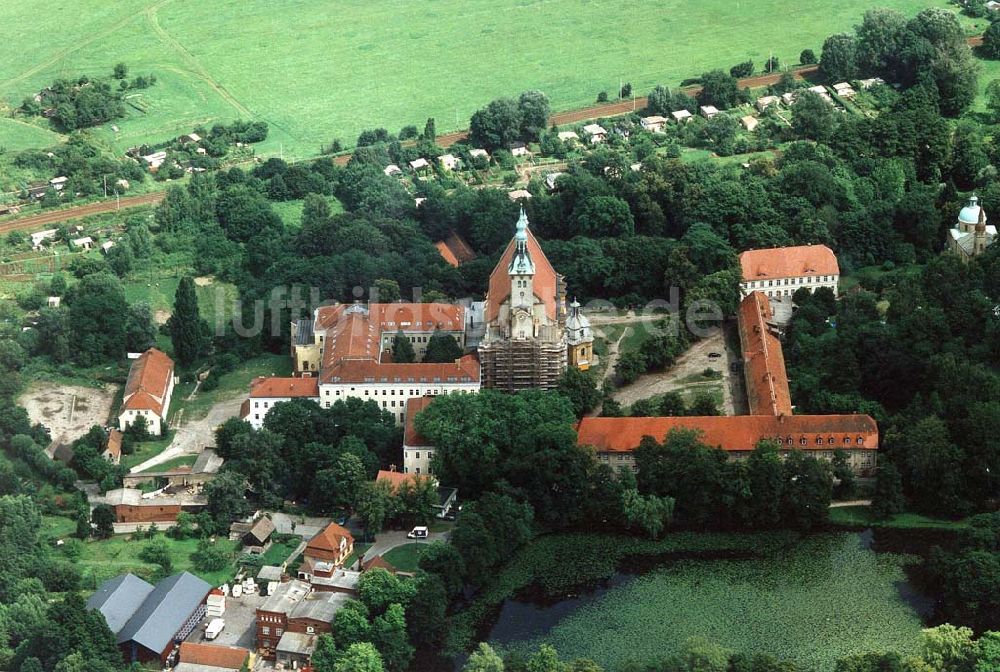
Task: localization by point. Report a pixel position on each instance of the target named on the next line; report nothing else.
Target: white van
(215, 626)
(419, 532)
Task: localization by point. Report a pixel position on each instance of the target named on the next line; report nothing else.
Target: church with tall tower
(526, 344)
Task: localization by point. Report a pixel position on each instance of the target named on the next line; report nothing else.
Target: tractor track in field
(100, 207)
(63, 53)
(196, 67)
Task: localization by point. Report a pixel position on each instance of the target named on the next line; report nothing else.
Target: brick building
(294, 607)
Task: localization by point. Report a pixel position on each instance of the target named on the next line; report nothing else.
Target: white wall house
(148, 390)
(778, 272)
(266, 393)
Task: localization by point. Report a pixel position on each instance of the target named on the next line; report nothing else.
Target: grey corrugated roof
(320, 606)
(297, 643)
(304, 332)
(119, 598)
(164, 611)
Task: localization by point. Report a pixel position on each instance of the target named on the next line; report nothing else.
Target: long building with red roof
(614, 439)
(148, 389)
(345, 351)
(779, 271)
(763, 359)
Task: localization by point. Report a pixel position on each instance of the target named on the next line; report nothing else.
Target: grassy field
(102, 560)
(814, 602)
(381, 63)
(406, 557)
(855, 516)
(233, 384)
(291, 211)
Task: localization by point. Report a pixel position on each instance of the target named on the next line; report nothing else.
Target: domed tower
(522, 294)
(970, 215)
(971, 235)
(579, 338)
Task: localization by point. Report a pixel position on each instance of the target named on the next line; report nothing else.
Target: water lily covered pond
(822, 598)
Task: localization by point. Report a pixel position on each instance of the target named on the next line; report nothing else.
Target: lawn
(291, 211)
(180, 461)
(105, 559)
(812, 602)
(233, 384)
(16, 135)
(405, 558)
(214, 300)
(279, 551)
(147, 449)
(379, 63)
(858, 516)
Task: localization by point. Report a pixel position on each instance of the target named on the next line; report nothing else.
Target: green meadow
(318, 70)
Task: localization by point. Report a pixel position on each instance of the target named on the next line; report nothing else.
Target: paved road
(854, 502)
(58, 216)
(192, 437)
(386, 541)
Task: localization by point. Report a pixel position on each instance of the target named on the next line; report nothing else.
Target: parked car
(419, 532)
(215, 627)
(714, 355)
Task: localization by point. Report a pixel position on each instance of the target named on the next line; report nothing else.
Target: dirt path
(690, 364)
(57, 216)
(191, 438)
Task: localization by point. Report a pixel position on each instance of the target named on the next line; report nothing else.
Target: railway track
(58, 216)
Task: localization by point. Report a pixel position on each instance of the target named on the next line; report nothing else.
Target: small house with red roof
(198, 657)
(268, 392)
(147, 391)
(323, 560)
(113, 447)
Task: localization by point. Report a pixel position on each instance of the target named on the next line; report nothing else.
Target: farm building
(749, 123)
(448, 161)
(258, 539)
(38, 238)
(844, 90)
(53, 301)
(106, 247)
(479, 154)
(113, 447)
(155, 160)
(147, 391)
(193, 477)
(654, 124)
(190, 138)
(519, 194)
(58, 183)
(392, 169)
(569, 136)
(708, 111)
(765, 102)
(680, 115)
(197, 657)
(149, 623)
(37, 190)
(291, 619)
(85, 243)
(518, 148)
(133, 506)
(596, 132)
(419, 164)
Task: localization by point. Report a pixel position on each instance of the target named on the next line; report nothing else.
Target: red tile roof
(763, 359)
(148, 382)
(281, 388)
(393, 316)
(788, 262)
(454, 250)
(446, 253)
(463, 370)
(546, 280)
(327, 541)
(114, 446)
(213, 655)
(411, 437)
(379, 562)
(734, 433)
(397, 478)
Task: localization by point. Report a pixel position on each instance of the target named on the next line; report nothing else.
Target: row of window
(760, 284)
(265, 630)
(789, 441)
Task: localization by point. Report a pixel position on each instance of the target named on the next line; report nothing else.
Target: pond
(813, 602)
